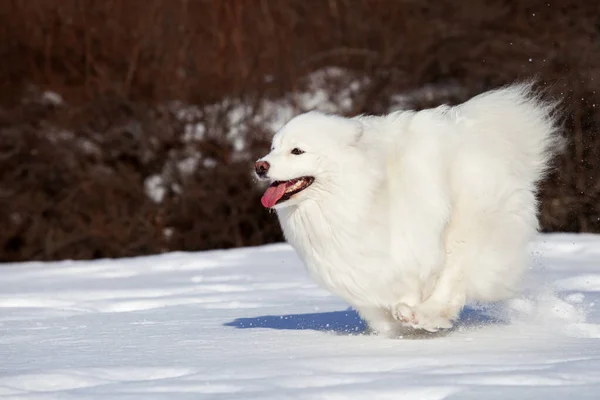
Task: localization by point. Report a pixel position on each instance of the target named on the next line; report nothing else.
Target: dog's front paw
(404, 314)
(420, 317)
(432, 318)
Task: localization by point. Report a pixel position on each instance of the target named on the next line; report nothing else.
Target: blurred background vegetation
(130, 127)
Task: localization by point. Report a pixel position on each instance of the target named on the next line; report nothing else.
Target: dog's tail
(520, 121)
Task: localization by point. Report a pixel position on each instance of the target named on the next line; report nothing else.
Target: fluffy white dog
(409, 216)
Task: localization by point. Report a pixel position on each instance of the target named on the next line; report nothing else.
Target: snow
(154, 186)
(188, 165)
(329, 89)
(249, 324)
(51, 98)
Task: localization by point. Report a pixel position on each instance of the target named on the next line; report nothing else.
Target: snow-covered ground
(249, 324)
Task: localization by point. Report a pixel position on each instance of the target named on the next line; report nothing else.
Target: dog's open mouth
(280, 191)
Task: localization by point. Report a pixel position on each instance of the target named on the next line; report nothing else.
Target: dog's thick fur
(413, 214)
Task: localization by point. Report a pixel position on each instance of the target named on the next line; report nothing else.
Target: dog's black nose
(261, 168)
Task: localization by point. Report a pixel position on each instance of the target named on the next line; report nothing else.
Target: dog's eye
(296, 151)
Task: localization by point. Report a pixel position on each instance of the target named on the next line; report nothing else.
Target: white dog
(409, 216)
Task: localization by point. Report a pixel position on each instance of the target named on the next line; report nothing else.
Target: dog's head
(308, 156)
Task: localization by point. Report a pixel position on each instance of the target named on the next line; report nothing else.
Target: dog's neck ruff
(323, 232)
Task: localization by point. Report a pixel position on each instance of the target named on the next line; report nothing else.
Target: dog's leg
(419, 215)
(444, 304)
(437, 306)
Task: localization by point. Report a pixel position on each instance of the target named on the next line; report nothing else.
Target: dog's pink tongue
(272, 195)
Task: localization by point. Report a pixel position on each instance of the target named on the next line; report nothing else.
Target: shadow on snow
(344, 322)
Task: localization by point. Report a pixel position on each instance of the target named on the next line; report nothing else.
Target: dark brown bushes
(78, 174)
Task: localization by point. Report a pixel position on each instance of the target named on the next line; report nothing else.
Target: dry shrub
(74, 172)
